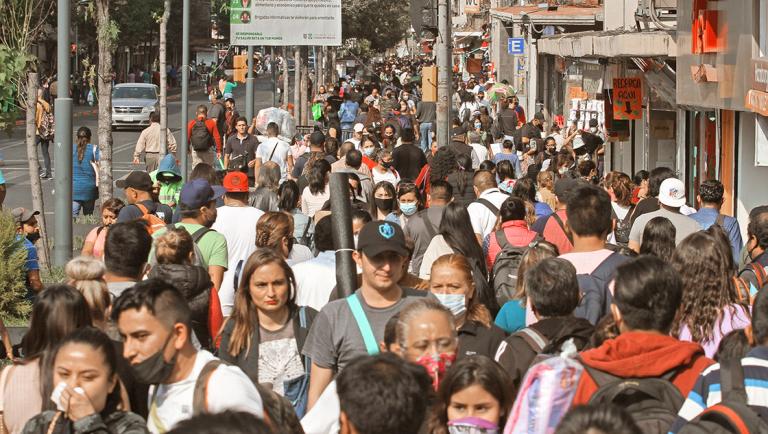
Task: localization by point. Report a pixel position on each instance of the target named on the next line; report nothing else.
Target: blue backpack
(596, 300)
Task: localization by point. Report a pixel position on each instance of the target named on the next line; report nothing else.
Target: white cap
(358, 128)
(672, 193)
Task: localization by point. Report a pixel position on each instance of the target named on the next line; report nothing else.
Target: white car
(132, 103)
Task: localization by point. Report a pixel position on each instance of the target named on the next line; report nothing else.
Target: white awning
(466, 34)
(616, 43)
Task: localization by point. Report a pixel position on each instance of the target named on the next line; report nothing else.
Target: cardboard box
(429, 83)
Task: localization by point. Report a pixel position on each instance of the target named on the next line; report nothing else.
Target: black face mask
(386, 164)
(155, 370)
(34, 236)
(384, 204)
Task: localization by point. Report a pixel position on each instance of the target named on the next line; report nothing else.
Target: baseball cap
(539, 116)
(198, 193)
(236, 182)
(563, 187)
(381, 236)
(457, 132)
(672, 193)
(21, 215)
(358, 128)
(137, 180)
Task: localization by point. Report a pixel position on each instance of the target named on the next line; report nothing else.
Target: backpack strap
(238, 270)
(487, 203)
(142, 208)
(200, 233)
(760, 273)
(732, 381)
(533, 338)
(200, 394)
(431, 229)
(562, 226)
(277, 143)
(371, 346)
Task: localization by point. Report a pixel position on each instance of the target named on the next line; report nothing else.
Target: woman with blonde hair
(274, 230)
(452, 284)
(546, 182)
(86, 274)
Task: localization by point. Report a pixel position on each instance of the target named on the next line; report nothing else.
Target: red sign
(627, 98)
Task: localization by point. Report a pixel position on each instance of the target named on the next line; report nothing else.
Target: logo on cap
(673, 192)
(387, 231)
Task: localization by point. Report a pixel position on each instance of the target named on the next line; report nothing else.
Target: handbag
(95, 166)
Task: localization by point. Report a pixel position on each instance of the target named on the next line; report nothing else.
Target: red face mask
(436, 365)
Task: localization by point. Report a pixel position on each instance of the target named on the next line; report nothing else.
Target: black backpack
(653, 403)
(623, 227)
(200, 138)
(732, 414)
(503, 278)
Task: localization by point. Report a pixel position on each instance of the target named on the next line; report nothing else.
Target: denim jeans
(86, 205)
(425, 130)
(44, 145)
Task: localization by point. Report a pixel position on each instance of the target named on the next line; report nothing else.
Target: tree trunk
(164, 78)
(332, 75)
(297, 84)
(34, 167)
(304, 85)
(320, 68)
(286, 80)
(104, 78)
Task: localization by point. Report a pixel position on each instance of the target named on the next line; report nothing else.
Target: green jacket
(118, 422)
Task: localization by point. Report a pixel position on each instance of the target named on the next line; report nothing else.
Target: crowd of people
(505, 283)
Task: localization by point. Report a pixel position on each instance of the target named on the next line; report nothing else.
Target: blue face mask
(368, 151)
(506, 187)
(454, 302)
(408, 209)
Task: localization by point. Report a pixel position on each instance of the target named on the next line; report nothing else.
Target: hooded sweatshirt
(169, 176)
(641, 355)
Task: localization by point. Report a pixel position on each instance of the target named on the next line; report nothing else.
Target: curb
(22, 122)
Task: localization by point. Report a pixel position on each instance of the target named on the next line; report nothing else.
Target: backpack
(503, 278)
(652, 402)
(154, 223)
(196, 237)
(47, 126)
(623, 227)
(744, 286)
(200, 138)
(732, 414)
(596, 300)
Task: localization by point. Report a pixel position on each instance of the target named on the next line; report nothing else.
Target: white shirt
(280, 156)
(299, 253)
(390, 175)
(323, 418)
(312, 203)
(238, 225)
(483, 220)
(228, 389)
(315, 280)
(481, 151)
(437, 248)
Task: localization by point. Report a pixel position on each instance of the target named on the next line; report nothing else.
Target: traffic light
(240, 66)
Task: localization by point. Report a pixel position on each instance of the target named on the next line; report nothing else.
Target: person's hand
(135, 160)
(78, 405)
(218, 155)
(252, 163)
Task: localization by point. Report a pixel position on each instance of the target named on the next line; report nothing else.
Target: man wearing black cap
(459, 143)
(138, 193)
(352, 327)
(27, 229)
(528, 133)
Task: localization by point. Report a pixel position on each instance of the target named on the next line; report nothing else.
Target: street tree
(164, 76)
(107, 32)
(381, 22)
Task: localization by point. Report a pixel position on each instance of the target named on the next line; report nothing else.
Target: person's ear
(698, 199)
(617, 318)
(345, 426)
(181, 335)
(358, 257)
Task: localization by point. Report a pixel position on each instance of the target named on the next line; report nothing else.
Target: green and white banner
(285, 22)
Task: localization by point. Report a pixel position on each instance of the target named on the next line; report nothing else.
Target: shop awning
(615, 43)
(467, 34)
(563, 15)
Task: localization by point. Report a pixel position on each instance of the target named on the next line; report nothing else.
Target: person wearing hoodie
(175, 251)
(647, 295)
(553, 291)
(168, 175)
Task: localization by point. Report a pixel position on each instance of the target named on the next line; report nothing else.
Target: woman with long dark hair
(710, 307)
(58, 311)
(383, 202)
(525, 189)
(445, 167)
(659, 238)
(268, 181)
(619, 187)
(94, 241)
(317, 192)
(290, 202)
(409, 202)
(267, 330)
(85, 159)
(85, 362)
(475, 395)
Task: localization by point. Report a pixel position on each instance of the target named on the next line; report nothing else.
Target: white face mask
(354, 238)
(593, 130)
(456, 303)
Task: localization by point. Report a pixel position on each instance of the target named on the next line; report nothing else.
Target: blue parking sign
(516, 45)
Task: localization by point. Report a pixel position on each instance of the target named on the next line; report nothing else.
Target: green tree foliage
(381, 22)
(14, 66)
(13, 258)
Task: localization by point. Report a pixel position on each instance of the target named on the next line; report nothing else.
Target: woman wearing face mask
(275, 230)
(383, 203)
(451, 282)
(426, 335)
(383, 171)
(409, 202)
(84, 362)
(506, 175)
(475, 396)
(267, 330)
(94, 241)
(59, 310)
(369, 148)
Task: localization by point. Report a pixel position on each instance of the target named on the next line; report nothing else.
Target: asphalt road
(16, 171)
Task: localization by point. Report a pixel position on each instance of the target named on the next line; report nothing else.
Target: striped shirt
(706, 393)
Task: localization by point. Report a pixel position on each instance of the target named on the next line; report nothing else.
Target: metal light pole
(444, 72)
(249, 86)
(62, 245)
(183, 149)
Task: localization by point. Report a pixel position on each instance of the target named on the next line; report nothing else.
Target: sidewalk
(79, 111)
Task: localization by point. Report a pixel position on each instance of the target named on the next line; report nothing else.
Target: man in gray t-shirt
(671, 198)
(336, 337)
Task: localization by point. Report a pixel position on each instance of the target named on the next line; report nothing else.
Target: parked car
(132, 103)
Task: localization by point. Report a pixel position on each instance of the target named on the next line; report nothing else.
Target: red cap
(236, 182)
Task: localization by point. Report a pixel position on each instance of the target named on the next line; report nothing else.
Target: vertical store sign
(627, 98)
(285, 22)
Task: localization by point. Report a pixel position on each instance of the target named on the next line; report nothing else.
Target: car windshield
(134, 93)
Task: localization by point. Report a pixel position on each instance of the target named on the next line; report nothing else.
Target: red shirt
(212, 128)
(368, 162)
(517, 234)
(554, 233)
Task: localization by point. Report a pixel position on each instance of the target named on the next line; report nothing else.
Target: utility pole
(444, 72)
(185, 90)
(286, 80)
(62, 246)
(304, 85)
(297, 84)
(272, 67)
(249, 86)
